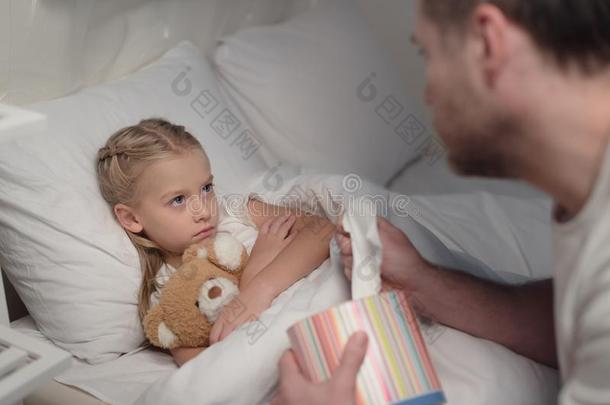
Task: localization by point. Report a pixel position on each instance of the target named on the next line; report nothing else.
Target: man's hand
(295, 389)
(518, 317)
(400, 262)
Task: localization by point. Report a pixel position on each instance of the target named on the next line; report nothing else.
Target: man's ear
(128, 218)
(491, 26)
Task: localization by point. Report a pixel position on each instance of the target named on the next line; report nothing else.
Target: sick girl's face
(175, 202)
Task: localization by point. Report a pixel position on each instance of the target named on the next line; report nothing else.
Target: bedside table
(26, 364)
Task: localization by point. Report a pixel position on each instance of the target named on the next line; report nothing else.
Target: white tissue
(360, 221)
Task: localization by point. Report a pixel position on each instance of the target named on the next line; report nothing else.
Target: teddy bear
(192, 298)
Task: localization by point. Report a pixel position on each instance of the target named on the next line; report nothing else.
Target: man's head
(491, 62)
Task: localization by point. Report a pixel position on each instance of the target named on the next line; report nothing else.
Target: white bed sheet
(241, 369)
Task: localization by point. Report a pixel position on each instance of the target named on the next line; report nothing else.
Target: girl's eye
(178, 201)
(208, 187)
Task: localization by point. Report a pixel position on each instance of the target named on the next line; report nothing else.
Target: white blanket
(499, 238)
(242, 369)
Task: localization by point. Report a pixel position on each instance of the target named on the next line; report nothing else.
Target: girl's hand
(246, 307)
(273, 236)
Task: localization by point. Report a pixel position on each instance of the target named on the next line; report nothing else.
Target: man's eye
(178, 201)
(208, 188)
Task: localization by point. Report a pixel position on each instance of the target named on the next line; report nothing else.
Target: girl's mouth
(204, 233)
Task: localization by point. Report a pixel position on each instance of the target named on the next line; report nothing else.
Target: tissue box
(397, 368)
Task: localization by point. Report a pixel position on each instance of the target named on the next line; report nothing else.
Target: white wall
(56, 46)
(51, 47)
(393, 21)
(4, 43)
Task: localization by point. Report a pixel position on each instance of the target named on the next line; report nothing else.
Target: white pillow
(303, 86)
(71, 263)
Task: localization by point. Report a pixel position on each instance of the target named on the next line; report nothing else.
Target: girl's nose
(201, 216)
(198, 209)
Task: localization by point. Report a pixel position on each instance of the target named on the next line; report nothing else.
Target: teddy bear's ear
(157, 331)
(227, 253)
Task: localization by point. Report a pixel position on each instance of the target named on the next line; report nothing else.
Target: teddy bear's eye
(197, 304)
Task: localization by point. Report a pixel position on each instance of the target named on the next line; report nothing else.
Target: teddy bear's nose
(214, 292)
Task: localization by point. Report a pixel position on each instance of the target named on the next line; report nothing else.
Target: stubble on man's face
(476, 135)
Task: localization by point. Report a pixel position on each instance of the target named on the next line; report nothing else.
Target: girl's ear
(127, 218)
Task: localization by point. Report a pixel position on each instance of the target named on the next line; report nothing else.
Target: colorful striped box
(397, 367)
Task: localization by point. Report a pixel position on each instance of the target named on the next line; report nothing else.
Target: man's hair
(572, 31)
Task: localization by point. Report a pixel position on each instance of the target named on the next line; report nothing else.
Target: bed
(288, 93)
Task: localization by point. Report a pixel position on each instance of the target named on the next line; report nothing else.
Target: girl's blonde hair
(120, 163)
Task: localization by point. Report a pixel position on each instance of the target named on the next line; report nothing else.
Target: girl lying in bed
(158, 181)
